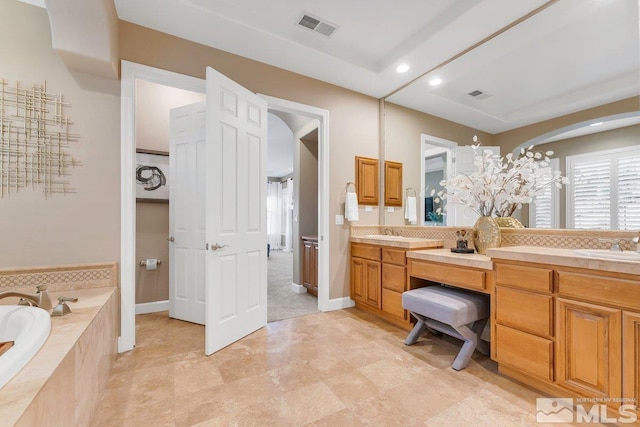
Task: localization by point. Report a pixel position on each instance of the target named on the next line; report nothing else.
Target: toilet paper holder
(144, 263)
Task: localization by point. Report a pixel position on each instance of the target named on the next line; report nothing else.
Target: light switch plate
(339, 219)
(390, 209)
(368, 209)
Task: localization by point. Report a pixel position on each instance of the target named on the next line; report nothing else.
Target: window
(604, 190)
(544, 210)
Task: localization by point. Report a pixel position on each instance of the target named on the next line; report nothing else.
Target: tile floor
(341, 368)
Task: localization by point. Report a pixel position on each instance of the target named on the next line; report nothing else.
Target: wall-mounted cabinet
(367, 180)
(392, 183)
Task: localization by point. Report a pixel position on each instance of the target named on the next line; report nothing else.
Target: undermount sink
(608, 254)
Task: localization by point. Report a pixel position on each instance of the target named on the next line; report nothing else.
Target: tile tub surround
(61, 385)
(59, 278)
(553, 238)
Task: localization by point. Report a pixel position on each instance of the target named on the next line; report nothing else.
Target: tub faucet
(40, 299)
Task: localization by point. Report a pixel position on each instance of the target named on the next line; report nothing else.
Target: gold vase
(486, 234)
(508, 222)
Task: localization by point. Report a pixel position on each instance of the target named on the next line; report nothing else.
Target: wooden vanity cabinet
(524, 327)
(310, 264)
(569, 330)
(378, 279)
(631, 356)
(366, 275)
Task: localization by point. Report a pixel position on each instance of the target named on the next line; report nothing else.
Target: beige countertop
(447, 257)
(563, 257)
(18, 393)
(398, 241)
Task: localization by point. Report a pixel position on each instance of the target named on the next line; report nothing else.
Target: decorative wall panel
(34, 140)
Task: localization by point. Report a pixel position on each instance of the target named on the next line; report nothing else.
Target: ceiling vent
(317, 25)
(478, 94)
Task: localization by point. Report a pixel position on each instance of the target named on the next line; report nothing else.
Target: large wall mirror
(565, 79)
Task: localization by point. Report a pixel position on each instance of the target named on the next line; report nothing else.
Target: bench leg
(416, 332)
(470, 343)
(478, 327)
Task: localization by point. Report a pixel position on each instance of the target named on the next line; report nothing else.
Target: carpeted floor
(282, 302)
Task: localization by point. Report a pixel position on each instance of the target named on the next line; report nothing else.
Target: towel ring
(408, 191)
(348, 184)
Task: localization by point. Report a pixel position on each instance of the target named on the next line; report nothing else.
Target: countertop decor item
(508, 222)
(486, 234)
(502, 184)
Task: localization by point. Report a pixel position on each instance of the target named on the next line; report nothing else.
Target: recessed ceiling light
(402, 68)
(596, 124)
(435, 82)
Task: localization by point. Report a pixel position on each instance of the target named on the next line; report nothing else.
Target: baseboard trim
(152, 307)
(339, 304)
(298, 289)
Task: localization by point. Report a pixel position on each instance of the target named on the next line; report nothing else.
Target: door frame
(130, 72)
(277, 104)
(439, 142)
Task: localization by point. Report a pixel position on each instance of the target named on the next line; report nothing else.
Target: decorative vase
(486, 234)
(508, 222)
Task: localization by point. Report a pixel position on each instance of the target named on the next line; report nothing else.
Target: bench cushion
(452, 306)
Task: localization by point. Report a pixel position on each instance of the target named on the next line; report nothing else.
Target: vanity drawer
(450, 275)
(526, 311)
(523, 277)
(525, 352)
(602, 289)
(394, 256)
(393, 277)
(392, 303)
(365, 251)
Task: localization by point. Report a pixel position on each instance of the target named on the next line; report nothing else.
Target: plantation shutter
(604, 190)
(544, 209)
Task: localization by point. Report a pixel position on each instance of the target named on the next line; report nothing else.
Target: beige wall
(513, 138)
(153, 102)
(353, 117)
(152, 229)
(403, 128)
(76, 228)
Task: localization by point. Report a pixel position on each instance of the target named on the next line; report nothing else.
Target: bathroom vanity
(379, 274)
(564, 321)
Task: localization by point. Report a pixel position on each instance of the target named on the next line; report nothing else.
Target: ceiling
(566, 56)
(532, 59)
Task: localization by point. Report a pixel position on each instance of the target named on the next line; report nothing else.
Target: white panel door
(187, 225)
(464, 163)
(236, 194)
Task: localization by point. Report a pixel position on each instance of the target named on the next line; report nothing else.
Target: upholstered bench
(456, 312)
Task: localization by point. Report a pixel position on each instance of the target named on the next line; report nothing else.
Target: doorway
(292, 213)
(132, 72)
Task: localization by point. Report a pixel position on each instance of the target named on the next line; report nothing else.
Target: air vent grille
(317, 25)
(478, 94)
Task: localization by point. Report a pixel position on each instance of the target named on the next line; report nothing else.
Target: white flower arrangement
(501, 184)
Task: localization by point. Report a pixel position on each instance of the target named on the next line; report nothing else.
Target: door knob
(216, 246)
(171, 239)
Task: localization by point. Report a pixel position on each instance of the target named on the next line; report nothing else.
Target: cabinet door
(358, 278)
(367, 172)
(314, 259)
(308, 265)
(631, 356)
(392, 183)
(372, 285)
(589, 348)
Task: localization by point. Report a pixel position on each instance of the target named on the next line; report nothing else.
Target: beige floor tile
(341, 368)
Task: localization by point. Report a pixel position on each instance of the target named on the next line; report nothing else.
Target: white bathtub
(29, 327)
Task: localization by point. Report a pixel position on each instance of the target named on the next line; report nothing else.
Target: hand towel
(410, 212)
(351, 207)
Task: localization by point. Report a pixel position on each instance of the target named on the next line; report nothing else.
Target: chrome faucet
(390, 232)
(40, 299)
(615, 244)
(636, 240)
